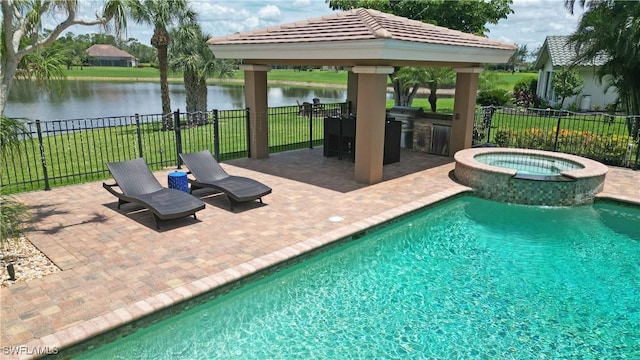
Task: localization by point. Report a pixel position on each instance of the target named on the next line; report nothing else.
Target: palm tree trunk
(190, 86)
(164, 88)
(201, 96)
(433, 101)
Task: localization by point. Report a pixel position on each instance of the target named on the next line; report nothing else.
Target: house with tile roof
(109, 55)
(556, 54)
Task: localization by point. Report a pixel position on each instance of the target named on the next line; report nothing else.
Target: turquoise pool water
(469, 278)
(528, 163)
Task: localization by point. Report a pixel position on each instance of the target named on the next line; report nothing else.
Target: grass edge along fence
(610, 139)
(64, 152)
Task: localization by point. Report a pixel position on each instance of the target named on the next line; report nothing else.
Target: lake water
(88, 99)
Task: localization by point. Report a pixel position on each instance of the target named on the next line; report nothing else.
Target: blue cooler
(178, 180)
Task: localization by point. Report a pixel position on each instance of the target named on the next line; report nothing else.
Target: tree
(567, 83)
(162, 14)
(144, 53)
(413, 78)
(189, 54)
(612, 29)
(518, 57)
(14, 215)
(471, 16)
(22, 22)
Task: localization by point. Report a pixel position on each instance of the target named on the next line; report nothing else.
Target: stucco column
(352, 89)
(255, 94)
(464, 106)
(370, 123)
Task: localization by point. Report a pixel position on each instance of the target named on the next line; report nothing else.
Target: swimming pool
(528, 163)
(453, 281)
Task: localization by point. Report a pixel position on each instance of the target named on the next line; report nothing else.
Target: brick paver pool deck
(116, 266)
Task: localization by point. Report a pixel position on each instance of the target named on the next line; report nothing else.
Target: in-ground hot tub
(530, 177)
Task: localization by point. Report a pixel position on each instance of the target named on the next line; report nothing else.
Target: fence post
(635, 130)
(555, 144)
(216, 135)
(43, 158)
(487, 120)
(176, 128)
(310, 130)
(139, 134)
(637, 165)
(248, 120)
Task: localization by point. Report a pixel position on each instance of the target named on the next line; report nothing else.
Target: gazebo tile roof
(360, 24)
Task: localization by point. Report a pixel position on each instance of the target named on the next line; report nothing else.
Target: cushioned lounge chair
(139, 186)
(209, 174)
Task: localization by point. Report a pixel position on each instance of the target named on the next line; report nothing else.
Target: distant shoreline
(241, 81)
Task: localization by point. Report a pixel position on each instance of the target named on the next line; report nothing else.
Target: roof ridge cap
(367, 17)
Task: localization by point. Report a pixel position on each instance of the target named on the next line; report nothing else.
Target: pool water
(527, 163)
(469, 278)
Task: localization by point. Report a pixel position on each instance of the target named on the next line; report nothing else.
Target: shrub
(493, 97)
(503, 137)
(609, 149)
(13, 217)
(524, 91)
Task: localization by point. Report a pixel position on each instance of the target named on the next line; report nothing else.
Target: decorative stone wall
(423, 128)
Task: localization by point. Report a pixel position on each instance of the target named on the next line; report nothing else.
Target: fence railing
(61, 152)
(610, 139)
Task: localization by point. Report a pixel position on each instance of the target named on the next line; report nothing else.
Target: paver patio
(117, 266)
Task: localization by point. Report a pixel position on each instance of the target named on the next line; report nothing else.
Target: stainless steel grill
(407, 116)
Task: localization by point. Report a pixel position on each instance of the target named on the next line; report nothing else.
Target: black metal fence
(61, 152)
(610, 139)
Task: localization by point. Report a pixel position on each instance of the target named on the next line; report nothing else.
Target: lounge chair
(139, 186)
(209, 174)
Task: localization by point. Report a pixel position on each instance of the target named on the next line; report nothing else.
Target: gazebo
(370, 43)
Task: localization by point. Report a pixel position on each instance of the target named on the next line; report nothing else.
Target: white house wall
(545, 88)
(592, 87)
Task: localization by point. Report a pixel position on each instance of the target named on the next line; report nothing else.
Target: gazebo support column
(464, 106)
(371, 100)
(255, 94)
(352, 89)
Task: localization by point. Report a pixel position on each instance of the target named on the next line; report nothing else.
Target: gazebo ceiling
(360, 37)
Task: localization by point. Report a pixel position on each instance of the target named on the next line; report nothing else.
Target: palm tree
(14, 215)
(612, 29)
(413, 78)
(189, 53)
(162, 14)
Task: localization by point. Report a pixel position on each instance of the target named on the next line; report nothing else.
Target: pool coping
(591, 168)
(77, 338)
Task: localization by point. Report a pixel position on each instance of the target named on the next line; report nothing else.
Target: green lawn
(92, 72)
(506, 80)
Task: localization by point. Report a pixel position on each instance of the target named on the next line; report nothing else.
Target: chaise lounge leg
(157, 221)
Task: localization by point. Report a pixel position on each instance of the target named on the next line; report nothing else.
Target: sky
(530, 23)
